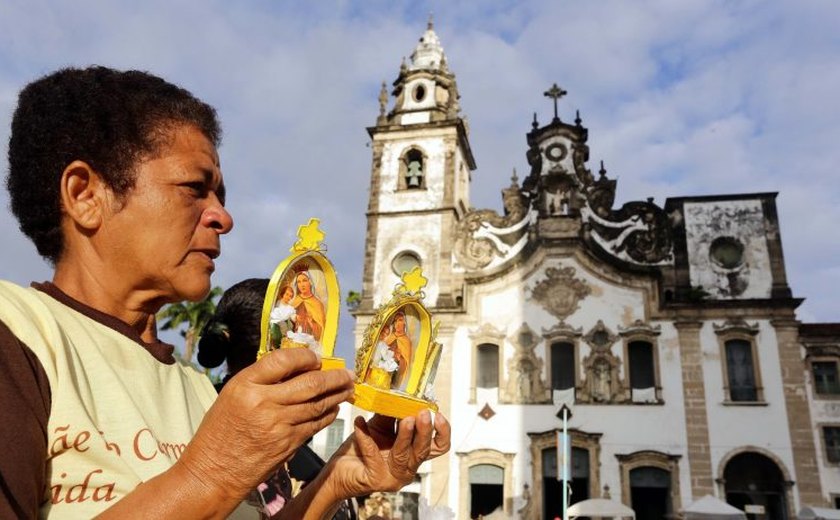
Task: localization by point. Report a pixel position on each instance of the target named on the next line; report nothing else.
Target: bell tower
(420, 175)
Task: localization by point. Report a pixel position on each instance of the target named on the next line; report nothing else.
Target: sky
(680, 98)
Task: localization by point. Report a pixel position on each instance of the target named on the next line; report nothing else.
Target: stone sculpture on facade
(601, 367)
(525, 382)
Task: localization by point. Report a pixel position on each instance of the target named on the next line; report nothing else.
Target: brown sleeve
(24, 412)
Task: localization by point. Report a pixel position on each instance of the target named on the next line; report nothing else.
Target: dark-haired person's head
(110, 120)
(233, 333)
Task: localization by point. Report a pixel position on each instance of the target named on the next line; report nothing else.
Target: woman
(116, 179)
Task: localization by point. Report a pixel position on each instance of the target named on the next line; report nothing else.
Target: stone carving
(525, 383)
(639, 232)
(562, 331)
(560, 293)
(735, 325)
(483, 235)
(524, 512)
(639, 328)
(487, 333)
(602, 384)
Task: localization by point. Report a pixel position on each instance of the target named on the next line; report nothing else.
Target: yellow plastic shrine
(303, 300)
(398, 359)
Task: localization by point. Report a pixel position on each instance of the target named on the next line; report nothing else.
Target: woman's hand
(376, 458)
(261, 417)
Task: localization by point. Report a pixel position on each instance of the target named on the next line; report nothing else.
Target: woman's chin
(194, 292)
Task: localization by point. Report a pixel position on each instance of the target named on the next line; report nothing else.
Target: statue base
(387, 402)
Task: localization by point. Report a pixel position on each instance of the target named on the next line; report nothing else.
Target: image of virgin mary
(309, 309)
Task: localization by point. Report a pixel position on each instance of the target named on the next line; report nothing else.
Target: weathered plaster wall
(824, 411)
(733, 426)
(742, 220)
(420, 235)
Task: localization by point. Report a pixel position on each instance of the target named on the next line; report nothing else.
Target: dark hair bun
(214, 344)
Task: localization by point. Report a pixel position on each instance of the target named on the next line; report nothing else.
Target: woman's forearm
(316, 501)
(175, 493)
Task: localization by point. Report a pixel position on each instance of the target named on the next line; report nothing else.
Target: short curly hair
(108, 118)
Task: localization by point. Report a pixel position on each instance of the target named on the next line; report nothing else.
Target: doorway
(486, 489)
(755, 480)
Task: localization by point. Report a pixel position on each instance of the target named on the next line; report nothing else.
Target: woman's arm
(374, 458)
(260, 418)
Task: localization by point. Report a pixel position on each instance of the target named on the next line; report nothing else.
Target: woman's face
(165, 234)
(399, 324)
(304, 286)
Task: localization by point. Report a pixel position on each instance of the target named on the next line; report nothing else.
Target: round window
(727, 252)
(405, 262)
(419, 93)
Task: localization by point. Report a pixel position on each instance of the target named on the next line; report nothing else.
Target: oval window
(727, 252)
(405, 262)
(419, 93)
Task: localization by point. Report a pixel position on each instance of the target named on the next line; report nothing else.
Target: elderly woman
(116, 179)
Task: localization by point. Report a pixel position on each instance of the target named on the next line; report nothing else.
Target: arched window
(740, 371)
(642, 371)
(562, 366)
(414, 170)
(739, 361)
(487, 366)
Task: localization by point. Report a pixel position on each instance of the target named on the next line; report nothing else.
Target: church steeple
(420, 177)
(425, 89)
(429, 53)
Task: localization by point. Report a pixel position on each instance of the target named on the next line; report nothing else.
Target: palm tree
(193, 314)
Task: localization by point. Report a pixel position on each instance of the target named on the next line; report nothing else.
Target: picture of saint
(400, 343)
(310, 315)
(383, 365)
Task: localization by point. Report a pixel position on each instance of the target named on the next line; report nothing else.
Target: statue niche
(601, 384)
(525, 384)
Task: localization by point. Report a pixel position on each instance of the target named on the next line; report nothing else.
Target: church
(667, 336)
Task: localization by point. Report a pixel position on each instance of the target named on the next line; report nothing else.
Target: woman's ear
(83, 195)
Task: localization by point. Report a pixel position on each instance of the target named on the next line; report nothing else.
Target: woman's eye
(198, 188)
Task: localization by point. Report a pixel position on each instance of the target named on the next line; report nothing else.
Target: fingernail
(424, 416)
(409, 423)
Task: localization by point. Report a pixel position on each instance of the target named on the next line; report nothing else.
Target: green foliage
(192, 316)
(353, 300)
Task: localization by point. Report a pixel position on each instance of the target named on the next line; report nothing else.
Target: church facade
(668, 334)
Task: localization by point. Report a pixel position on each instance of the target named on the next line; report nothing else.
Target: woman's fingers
(422, 443)
(442, 438)
(312, 385)
(295, 414)
(281, 364)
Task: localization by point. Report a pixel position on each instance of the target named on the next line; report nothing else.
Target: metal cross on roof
(555, 93)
